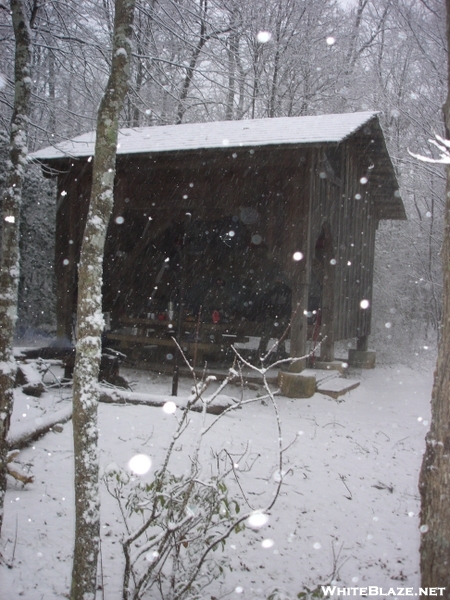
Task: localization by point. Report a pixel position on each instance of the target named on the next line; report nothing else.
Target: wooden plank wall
(359, 194)
(346, 205)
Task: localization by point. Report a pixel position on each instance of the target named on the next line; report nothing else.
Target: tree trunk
(434, 482)
(203, 38)
(232, 52)
(89, 313)
(12, 200)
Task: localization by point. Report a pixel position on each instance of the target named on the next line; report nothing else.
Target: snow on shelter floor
(348, 507)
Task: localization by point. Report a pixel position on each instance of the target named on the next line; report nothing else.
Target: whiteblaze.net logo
(373, 590)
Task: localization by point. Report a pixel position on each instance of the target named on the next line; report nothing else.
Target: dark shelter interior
(217, 267)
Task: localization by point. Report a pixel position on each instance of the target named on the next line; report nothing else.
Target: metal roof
(220, 134)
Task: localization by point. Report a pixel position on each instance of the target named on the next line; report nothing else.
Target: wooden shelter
(238, 228)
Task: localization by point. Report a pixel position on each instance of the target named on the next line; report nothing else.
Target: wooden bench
(198, 339)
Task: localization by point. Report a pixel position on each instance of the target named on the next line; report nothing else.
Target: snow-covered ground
(348, 508)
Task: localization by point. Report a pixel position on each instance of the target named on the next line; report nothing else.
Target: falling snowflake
(140, 464)
(169, 407)
(151, 556)
(257, 520)
(263, 37)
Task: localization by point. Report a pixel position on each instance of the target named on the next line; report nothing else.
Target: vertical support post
(65, 259)
(362, 343)
(296, 248)
(327, 350)
(299, 323)
(327, 325)
(181, 301)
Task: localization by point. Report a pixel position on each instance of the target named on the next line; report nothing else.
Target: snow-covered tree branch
(443, 146)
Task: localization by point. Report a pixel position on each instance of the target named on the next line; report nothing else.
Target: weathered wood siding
(343, 201)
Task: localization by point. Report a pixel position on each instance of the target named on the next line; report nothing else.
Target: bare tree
(89, 312)
(434, 476)
(12, 200)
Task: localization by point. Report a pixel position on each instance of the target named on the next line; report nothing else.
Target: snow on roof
(219, 134)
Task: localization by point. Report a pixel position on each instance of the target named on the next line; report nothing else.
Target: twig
(402, 440)
(286, 331)
(15, 540)
(291, 443)
(342, 478)
(233, 467)
(385, 435)
(383, 486)
(333, 423)
(336, 567)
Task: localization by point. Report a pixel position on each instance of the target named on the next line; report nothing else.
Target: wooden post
(327, 325)
(65, 258)
(298, 321)
(297, 252)
(362, 343)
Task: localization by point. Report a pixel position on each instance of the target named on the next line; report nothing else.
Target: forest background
(208, 60)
